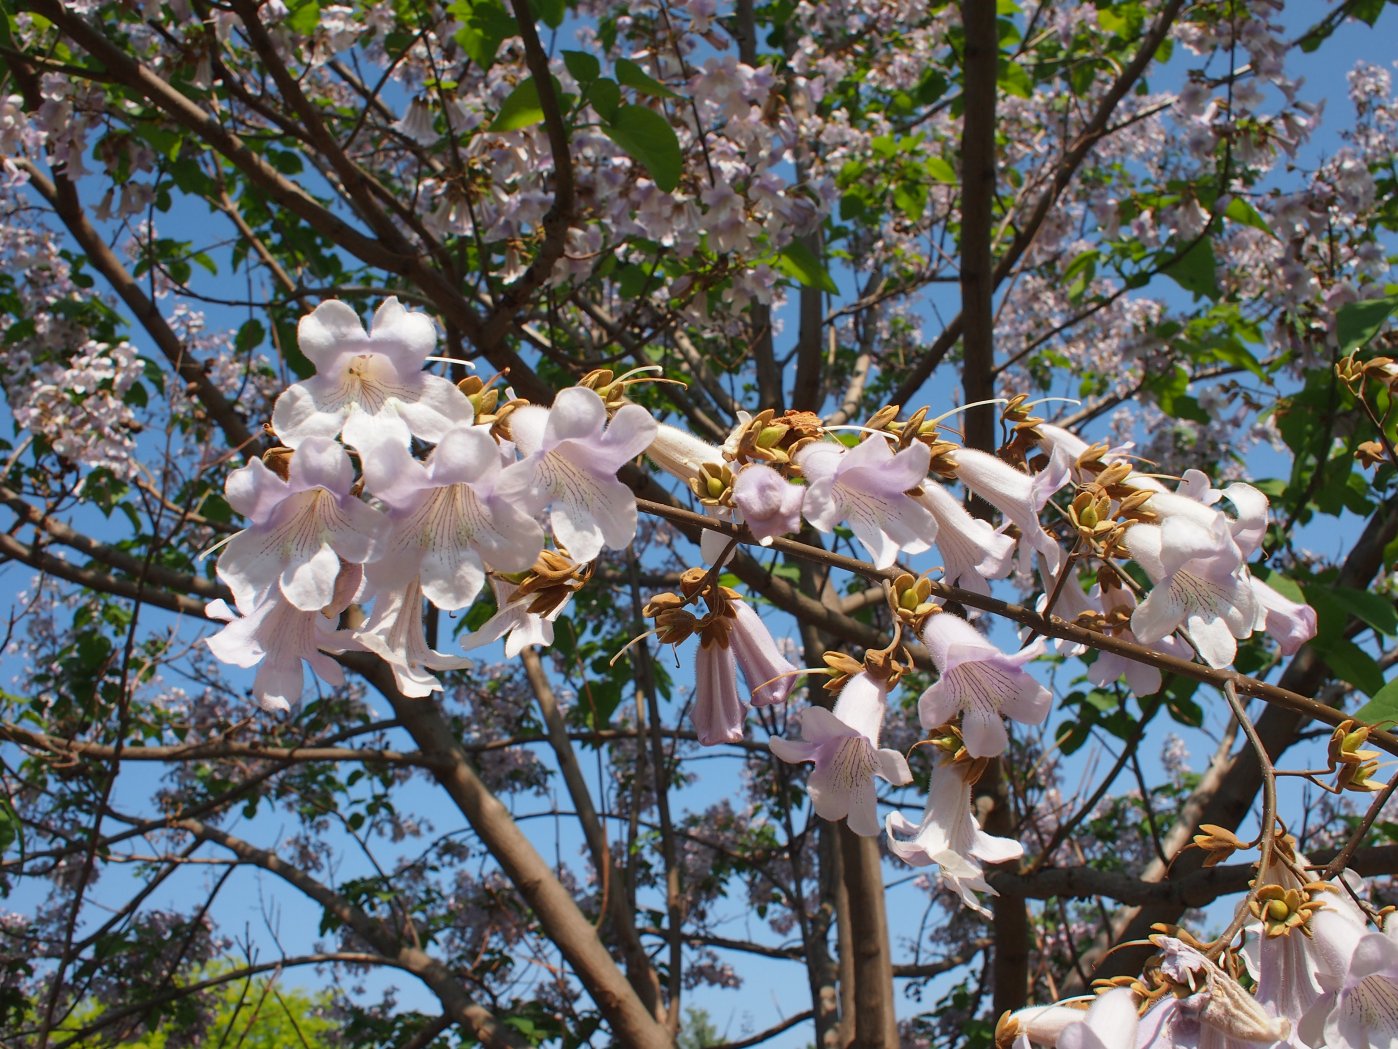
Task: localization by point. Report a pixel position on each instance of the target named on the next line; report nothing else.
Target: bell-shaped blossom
(981, 683)
(514, 621)
(299, 529)
(1109, 1023)
(397, 633)
(866, 487)
(276, 637)
(368, 386)
(1359, 1006)
(1218, 1012)
(769, 675)
(680, 454)
(950, 837)
(1195, 499)
(972, 551)
(1019, 496)
(1288, 623)
(571, 459)
(1200, 585)
(444, 525)
(843, 743)
(719, 711)
(1141, 678)
(770, 504)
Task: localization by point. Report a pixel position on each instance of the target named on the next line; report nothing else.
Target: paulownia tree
(507, 495)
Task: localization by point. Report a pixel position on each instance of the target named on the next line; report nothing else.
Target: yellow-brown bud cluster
(552, 580)
(769, 438)
(1354, 766)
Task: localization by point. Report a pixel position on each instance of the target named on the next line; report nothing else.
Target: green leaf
(303, 17)
(521, 109)
(1374, 609)
(582, 66)
(1195, 271)
(605, 97)
(648, 137)
(551, 11)
(485, 25)
(1383, 707)
(1354, 666)
(1241, 211)
(1356, 323)
(250, 336)
(801, 264)
(1014, 80)
(941, 170)
(633, 76)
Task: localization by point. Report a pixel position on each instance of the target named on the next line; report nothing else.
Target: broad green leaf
(303, 17)
(1352, 665)
(633, 76)
(551, 11)
(605, 97)
(1383, 707)
(940, 170)
(1356, 323)
(520, 109)
(648, 137)
(1195, 271)
(1241, 211)
(801, 264)
(1014, 80)
(485, 25)
(583, 66)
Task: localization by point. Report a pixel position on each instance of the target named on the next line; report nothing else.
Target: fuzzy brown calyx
(1218, 842)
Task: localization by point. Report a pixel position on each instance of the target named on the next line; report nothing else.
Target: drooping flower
(972, 551)
(866, 487)
(1210, 1007)
(719, 711)
(981, 683)
(1109, 1023)
(843, 743)
(1359, 1006)
(276, 637)
(299, 529)
(769, 675)
(528, 610)
(1286, 621)
(770, 504)
(1201, 585)
(1019, 496)
(368, 386)
(1119, 603)
(396, 633)
(950, 837)
(445, 527)
(571, 459)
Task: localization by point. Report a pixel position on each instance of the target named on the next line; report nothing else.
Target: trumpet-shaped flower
(770, 504)
(1359, 1006)
(370, 386)
(444, 525)
(1200, 584)
(1019, 496)
(981, 683)
(396, 633)
(1290, 624)
(950, 837)
(972, 551)
(769, 675)
(736, 642)
(1109, 1023)
(275, 636)
(1141, 678)
(843, 743)
(299, 529)
(515, 619)
(866, 486)
(719, 711)
(1216, 1012)
(571, 458)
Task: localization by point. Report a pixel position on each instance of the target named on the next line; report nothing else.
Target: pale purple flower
(866, 487)
(1359, 1006)
(1141, 678)
(571, 458)
(370, 386)
(769, 675)
(719, 711)
(770, 504)
(278, 636)
(396, 633)
(299, 529)
(444, 525)
(843, 743)
(1219, 1012)
(1019, 496)
(1290, 624)
(513, 618)
(680, 454)
(972, 551)
(950, 837)
(1109, 1023)
(1200, 585)
(981, 683)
